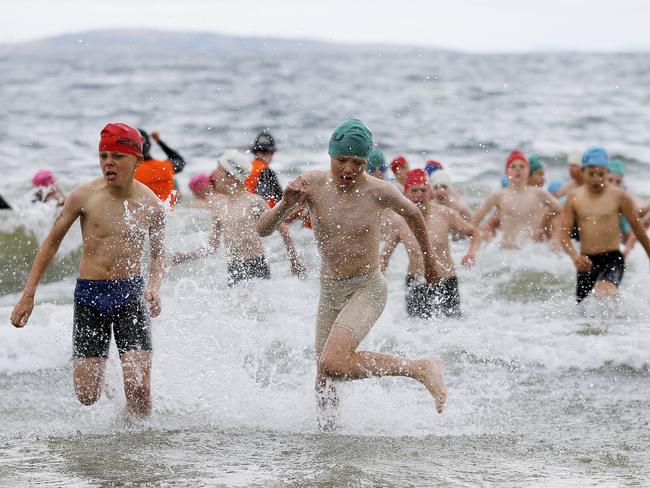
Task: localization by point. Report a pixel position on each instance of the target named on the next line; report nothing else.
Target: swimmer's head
(376, 163)
(43, 178)
(440, 184)
(263, 143)
(235, 166)
(416, 186)
(432, 166)
(595, 166)
(200, 185)
(120, 151)
(517, 167)
(536, 173)
(351, 138)
(616, 172)
(400, 167)
(574, 162)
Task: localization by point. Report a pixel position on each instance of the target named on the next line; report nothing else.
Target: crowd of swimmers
(358, 217)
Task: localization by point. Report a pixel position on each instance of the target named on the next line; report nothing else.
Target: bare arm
(294, 194)
(629, 211)
(480, 214)
(393, 240)
(552, 203)
(156, 259)
(457, 224)
(631, 240)
(402, 206)
(582, 262)
(69, 213)
(213, 244)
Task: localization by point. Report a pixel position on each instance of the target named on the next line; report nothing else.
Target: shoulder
(80, 195)
(315, 176)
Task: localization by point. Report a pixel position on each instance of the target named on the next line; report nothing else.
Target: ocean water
(541, 392)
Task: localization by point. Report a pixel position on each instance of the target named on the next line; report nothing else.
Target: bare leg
(340, 360)
(606, 290)
(136, 371)
(88, 378)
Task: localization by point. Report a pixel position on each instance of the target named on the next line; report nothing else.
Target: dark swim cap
(146, 147)
(263, 143)
(351, 138)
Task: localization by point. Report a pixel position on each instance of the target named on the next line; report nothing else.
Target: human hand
(22, 311)
(155, 136)
(295, 192)
(153, 298)
(583, 263)
(468, 260)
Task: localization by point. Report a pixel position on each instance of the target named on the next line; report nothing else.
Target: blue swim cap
(536, 163)
(595, 156)
(504, 182)
(554, 186)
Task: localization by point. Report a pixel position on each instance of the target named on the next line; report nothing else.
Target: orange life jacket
(159, 177)
(259, 165)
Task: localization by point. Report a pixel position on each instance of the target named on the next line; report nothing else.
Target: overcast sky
(471, 25)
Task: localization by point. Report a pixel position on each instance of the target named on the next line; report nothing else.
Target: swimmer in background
(235, 212)
(423, 300)
(399, 166)
(159, 175)
(377, 167)
(596, 208)
(444, 194)
(574, 165)
(519, 208)
(48, 190)
(201, 187)
(346, 205)
(117, 213)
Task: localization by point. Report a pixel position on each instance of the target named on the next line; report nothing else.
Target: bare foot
(433, 377)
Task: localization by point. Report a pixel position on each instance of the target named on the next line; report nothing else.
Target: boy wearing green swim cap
(346, 206)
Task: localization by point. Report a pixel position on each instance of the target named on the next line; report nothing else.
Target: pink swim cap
(198, 182)
(43, 177)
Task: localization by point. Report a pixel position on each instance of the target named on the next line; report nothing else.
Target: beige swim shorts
(354, 304)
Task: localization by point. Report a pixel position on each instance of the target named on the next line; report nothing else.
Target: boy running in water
(235, 212)
(520, 208)
(421, 299)
(596, 208)
(346, 205)
(116, 214)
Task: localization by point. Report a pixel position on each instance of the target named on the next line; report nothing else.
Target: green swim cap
(376, 160)
(616, 166)
(351, 138)
(536, 163)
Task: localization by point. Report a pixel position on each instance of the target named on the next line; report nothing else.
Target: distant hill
(154, 41)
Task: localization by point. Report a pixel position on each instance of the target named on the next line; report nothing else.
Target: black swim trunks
(607, 266)
(247, 269)
(425, 301)
(105, 306)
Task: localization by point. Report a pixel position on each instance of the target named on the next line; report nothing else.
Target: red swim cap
(416, 177)
(398, 162)
(121, 138)
(514, 156)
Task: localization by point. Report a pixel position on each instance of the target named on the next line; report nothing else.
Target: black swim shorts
(607, 266)
(247, 269)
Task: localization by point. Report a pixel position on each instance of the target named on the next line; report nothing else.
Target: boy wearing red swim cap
(520, 208)
(116, 214)
(444, 298)
(346, 206)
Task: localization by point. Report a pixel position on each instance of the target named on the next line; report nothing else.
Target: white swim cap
(439, 177)
(235, 163)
